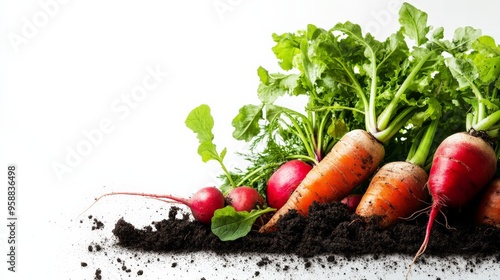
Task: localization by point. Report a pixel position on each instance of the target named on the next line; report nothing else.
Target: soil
(329, 228)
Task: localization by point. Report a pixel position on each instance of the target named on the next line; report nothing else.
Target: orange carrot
(488, 210)
(397, 190)
(350, 162)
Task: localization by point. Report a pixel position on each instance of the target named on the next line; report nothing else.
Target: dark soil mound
(329, 229)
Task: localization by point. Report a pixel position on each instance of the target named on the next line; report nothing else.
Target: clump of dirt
(98, 274)
(96, 223)
(329, 229)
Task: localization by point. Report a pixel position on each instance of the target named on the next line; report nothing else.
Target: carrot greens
(349, 80)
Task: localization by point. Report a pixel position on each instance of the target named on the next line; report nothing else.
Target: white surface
(69, 73)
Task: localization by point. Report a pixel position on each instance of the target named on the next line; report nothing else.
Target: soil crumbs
(329, 229)
(331, 236)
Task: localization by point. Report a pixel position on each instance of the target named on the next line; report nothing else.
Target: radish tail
(165, 200)
(156, 196)
(436, 207)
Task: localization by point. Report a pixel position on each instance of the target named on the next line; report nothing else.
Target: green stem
(228, 175)
(321, 130)
(386, 115)
(310, 127)
(493, 133)
(481, 110)
(420, 156)
(469, 121)
(257, 170)
(338, 107)
(370, 116)
(298, 131)
(303, 157)
(401, 119)
(414, 145)
(487, 122)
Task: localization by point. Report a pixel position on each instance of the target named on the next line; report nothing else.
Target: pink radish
(462, 165)
(244, 198)
(202, 204)
(352, 201)
(284, 181)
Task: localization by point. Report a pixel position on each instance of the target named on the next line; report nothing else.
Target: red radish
(462, 165)
(352, 201)
(244, 198)
(284, 181)
(488, 209)
(203, 203)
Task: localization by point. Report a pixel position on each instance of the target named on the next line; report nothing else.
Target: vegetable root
(244, 199)
(202, 204)
(462, 165)
(352, 201)
(396, 191)
(350, 162)
(488, 209)
(284, 181)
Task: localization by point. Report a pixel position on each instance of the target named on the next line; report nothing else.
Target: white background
(67, 66)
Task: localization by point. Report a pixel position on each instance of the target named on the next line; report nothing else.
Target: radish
(352, 201)
(462, 165)
(244, 198)
(202, 203)
(284, 181)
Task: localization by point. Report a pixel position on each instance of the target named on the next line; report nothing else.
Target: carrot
(398, 189)
(488, 209)
(350, 162)
(381, 91)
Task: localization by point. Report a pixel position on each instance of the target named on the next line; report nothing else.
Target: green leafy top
(201, 122)
(477, 70)
(352, 80)
(410, 91)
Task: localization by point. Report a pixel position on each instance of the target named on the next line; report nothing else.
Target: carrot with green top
(343, 51)
(398, 189)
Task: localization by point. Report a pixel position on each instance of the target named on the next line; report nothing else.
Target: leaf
(337, 128)
(268, 93)
(273, 86)
(286, 49)
(414, 22)
(273, 112)
(463, 71)
(246, 123)
(229, 224)
(201, 122)
(263, 75)
(207, 150)
(312, 71)
(487, 59)
(464, 37)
